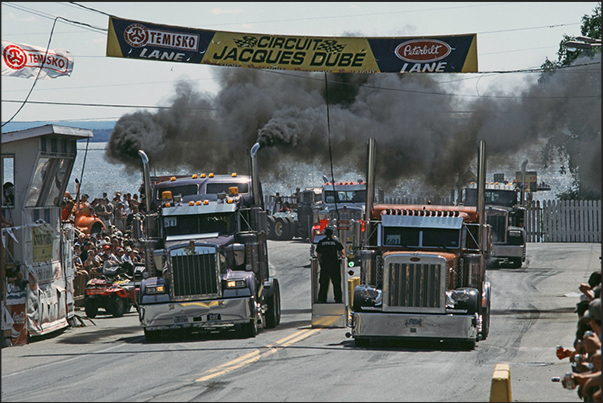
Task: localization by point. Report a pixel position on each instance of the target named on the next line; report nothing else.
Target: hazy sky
(510, 36)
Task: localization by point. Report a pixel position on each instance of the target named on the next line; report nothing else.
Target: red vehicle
(115, 296)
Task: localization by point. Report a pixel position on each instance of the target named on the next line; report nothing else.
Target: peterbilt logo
(422, 50)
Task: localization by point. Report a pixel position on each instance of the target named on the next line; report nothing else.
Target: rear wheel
(273, 315)
(90, 308)
(117, 306)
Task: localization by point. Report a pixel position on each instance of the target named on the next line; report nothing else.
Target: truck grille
(414, 285)
(195, 275)
(499, 226)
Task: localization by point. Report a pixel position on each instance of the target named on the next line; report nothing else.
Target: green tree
(577, 134)
(591, 28)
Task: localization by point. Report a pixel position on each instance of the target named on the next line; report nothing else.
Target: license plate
(180, 319)
(414, 322)
(213, 316)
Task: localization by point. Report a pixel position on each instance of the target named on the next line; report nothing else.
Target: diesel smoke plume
(421, 128)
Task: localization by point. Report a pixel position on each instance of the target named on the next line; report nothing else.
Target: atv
(116, 294)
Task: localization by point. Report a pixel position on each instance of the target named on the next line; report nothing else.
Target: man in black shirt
(329, 251)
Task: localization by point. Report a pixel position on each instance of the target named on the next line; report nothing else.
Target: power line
(321, 18)
(100, 105)
(51, 17)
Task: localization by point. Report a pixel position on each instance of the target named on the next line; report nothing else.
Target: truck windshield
(421, 237)
(494, 197)
(347, 196)
(177, 190)
(215, 188)
(222, 223)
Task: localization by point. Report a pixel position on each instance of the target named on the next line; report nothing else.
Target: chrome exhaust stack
(255, 180)
(147, 179)
(370, 187)
(147, 204)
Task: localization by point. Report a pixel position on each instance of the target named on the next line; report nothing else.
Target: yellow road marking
(256, 355)
(301, 337)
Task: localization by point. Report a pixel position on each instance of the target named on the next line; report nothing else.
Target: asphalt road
(109, 360)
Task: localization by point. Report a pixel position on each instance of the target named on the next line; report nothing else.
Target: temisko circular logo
(14, 57)
(136, 35)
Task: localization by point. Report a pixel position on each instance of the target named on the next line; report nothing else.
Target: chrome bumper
(188, 314)
(502, 251)
(402, 325)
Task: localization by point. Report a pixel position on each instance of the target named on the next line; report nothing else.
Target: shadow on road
(407, 345)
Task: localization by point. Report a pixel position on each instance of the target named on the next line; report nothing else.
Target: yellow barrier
(352, 283)
(501, 384)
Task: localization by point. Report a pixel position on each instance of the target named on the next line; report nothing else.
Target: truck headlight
(515, 233)
(458, 295)
(155, 289)
(369, 293)
(235, 284)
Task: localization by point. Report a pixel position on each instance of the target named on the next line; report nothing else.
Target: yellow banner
(345, 55)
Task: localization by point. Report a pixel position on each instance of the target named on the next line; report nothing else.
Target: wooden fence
(564, 221)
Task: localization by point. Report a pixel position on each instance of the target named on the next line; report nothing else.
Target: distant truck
(343, 204)
(207, 256)
(505, 214)
(298, 221)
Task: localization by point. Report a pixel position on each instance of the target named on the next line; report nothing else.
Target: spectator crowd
(585, 356)
(99, 253)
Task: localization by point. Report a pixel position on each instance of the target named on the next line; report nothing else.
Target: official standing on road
(329, 251)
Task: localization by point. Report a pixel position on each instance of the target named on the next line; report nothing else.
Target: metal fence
(545, 221)
(564, 221)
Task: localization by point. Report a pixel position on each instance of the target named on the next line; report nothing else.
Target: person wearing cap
(116, 199)
(329, 251)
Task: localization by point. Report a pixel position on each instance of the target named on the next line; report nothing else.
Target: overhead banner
(22, 60)
(435, 54)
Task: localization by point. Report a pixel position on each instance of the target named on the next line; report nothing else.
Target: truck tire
(152, 335)
(250, 329)
(273, 315)
(291, 228)
(117, 306)
(281, 229)
(90, 308)
(270, 229)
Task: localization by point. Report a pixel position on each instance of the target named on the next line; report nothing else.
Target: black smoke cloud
(421, 128)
